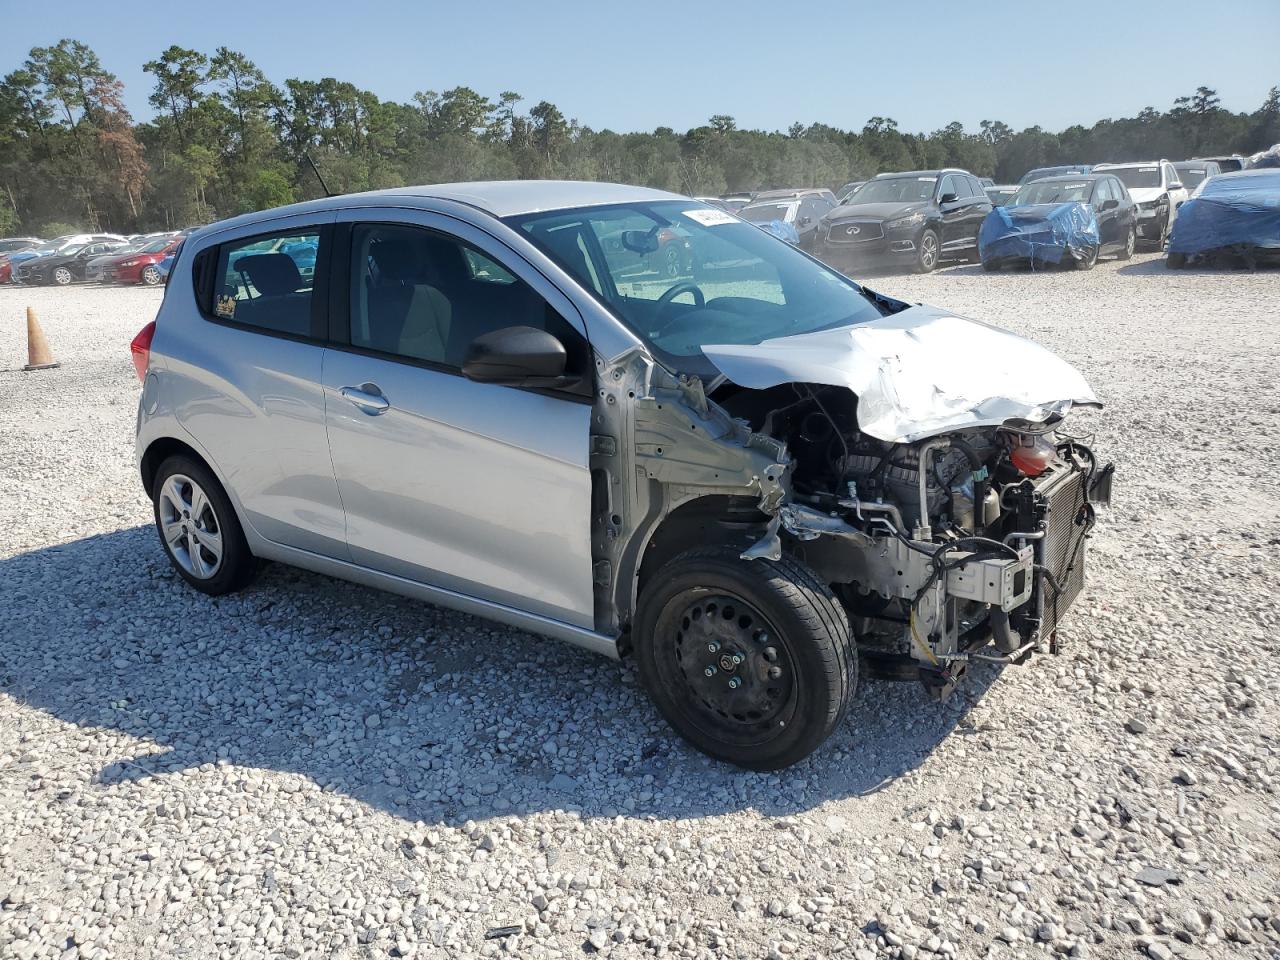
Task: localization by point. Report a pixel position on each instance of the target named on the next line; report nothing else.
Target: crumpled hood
(1145, 194)
(917, 373)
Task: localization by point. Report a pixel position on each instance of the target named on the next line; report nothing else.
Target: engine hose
(978, 470)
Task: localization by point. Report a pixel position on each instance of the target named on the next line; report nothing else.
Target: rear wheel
(927, 252)
(991, 266)
(1175, 261)
(199, 528)
(1130, 245)
(753, 662)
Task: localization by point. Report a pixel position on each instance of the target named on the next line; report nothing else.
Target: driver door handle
(368, 398)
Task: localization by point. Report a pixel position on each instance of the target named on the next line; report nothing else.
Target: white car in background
(1158, 192)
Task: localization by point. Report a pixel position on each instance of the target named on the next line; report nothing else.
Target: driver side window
(419, 295)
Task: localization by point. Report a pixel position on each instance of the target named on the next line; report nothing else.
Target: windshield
(766, 212)
(681, 275)
(1053, 191)
(1137, 177)
(1191, 176)
(155, 246)
(893, 190)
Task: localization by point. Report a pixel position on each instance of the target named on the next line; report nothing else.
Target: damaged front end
(918, 463)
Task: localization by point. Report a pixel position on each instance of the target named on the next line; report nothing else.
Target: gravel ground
(313, 769)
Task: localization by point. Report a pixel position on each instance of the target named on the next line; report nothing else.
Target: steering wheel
(664, 301)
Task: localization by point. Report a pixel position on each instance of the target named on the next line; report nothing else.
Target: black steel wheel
(752, 662)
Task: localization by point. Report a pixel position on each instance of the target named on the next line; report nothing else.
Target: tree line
(225, 140)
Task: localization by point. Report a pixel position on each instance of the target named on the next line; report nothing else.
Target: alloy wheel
(190, 527)
(62, 276)
(928, 251)
(150, 276)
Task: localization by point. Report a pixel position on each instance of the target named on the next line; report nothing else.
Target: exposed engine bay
(935, 547)
(920, 464)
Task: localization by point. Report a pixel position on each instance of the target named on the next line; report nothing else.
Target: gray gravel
(312, 769)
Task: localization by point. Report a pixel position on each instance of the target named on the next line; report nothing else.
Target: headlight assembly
(908, 221)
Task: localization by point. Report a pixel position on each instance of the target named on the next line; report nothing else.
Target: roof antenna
(323, 186)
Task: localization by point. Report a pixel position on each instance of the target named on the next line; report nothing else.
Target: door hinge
(603, 446)
(603, 572)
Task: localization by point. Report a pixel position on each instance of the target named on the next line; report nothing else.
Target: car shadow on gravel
(427, 714)
(1226, 267)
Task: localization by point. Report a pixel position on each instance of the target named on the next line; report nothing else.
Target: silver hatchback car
(625, 419)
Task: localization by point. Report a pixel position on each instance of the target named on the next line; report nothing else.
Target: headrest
(273, 274)
(398, 260)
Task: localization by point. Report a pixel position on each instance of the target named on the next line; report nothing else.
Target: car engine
(936, 547)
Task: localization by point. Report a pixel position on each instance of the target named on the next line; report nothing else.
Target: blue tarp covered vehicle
(1039, 233)
(782, 230)
(1232, 213)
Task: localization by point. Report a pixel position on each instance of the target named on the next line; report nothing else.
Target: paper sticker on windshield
(225, 307)
(710, 217)
(927, 179)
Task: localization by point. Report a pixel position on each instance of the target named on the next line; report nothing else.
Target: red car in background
(139, 266)
(6, 270)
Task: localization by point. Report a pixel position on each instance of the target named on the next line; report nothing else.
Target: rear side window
(267, 282)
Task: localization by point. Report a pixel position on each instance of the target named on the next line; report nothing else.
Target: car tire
(1175, 261)
(1087, 263)
(1130, 245)
(61, 276)
(150, 276)
(927, 252)
(199, 529)
(797, 666)
(991, 266)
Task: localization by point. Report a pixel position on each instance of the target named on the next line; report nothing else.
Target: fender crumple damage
(902, 490)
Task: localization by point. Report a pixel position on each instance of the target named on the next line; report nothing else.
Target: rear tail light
(141, 349)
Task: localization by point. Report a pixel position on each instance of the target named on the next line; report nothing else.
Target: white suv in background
(1158, 192)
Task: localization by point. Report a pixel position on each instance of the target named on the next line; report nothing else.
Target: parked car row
(87, 258)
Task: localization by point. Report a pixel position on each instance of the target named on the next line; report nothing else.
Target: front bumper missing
(1016, 601)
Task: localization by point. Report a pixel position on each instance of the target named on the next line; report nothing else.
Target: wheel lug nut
(734, 683)
(775, 673)
(710, 672)
(770, 654)
(737, 659)
(712, 647)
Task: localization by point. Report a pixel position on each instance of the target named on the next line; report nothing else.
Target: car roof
(920, 173)
(1070, 178)
(792, 192)
(500, 198)
(1129, 163)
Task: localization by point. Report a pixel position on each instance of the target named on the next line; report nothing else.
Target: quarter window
(948, 186)
(421, 295)
(266, 282)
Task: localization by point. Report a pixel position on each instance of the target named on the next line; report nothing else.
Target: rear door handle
(368, 398)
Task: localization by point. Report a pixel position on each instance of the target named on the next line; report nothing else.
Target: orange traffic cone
(39, 356)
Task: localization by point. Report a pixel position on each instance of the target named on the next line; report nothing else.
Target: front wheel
(150, 276)
(1085, 263)
(1175, 261)
(199, 528)
(927, 252)
(751, 661)
(62, 276)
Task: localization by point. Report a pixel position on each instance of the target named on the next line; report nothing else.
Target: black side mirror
(517, 357)
(805, 221)
(1110, 204)
(640, 241)
(948, 198)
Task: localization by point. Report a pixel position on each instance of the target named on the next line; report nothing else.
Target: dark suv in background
(915, 219)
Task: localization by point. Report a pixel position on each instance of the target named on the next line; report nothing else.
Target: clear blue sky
(638, 65)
